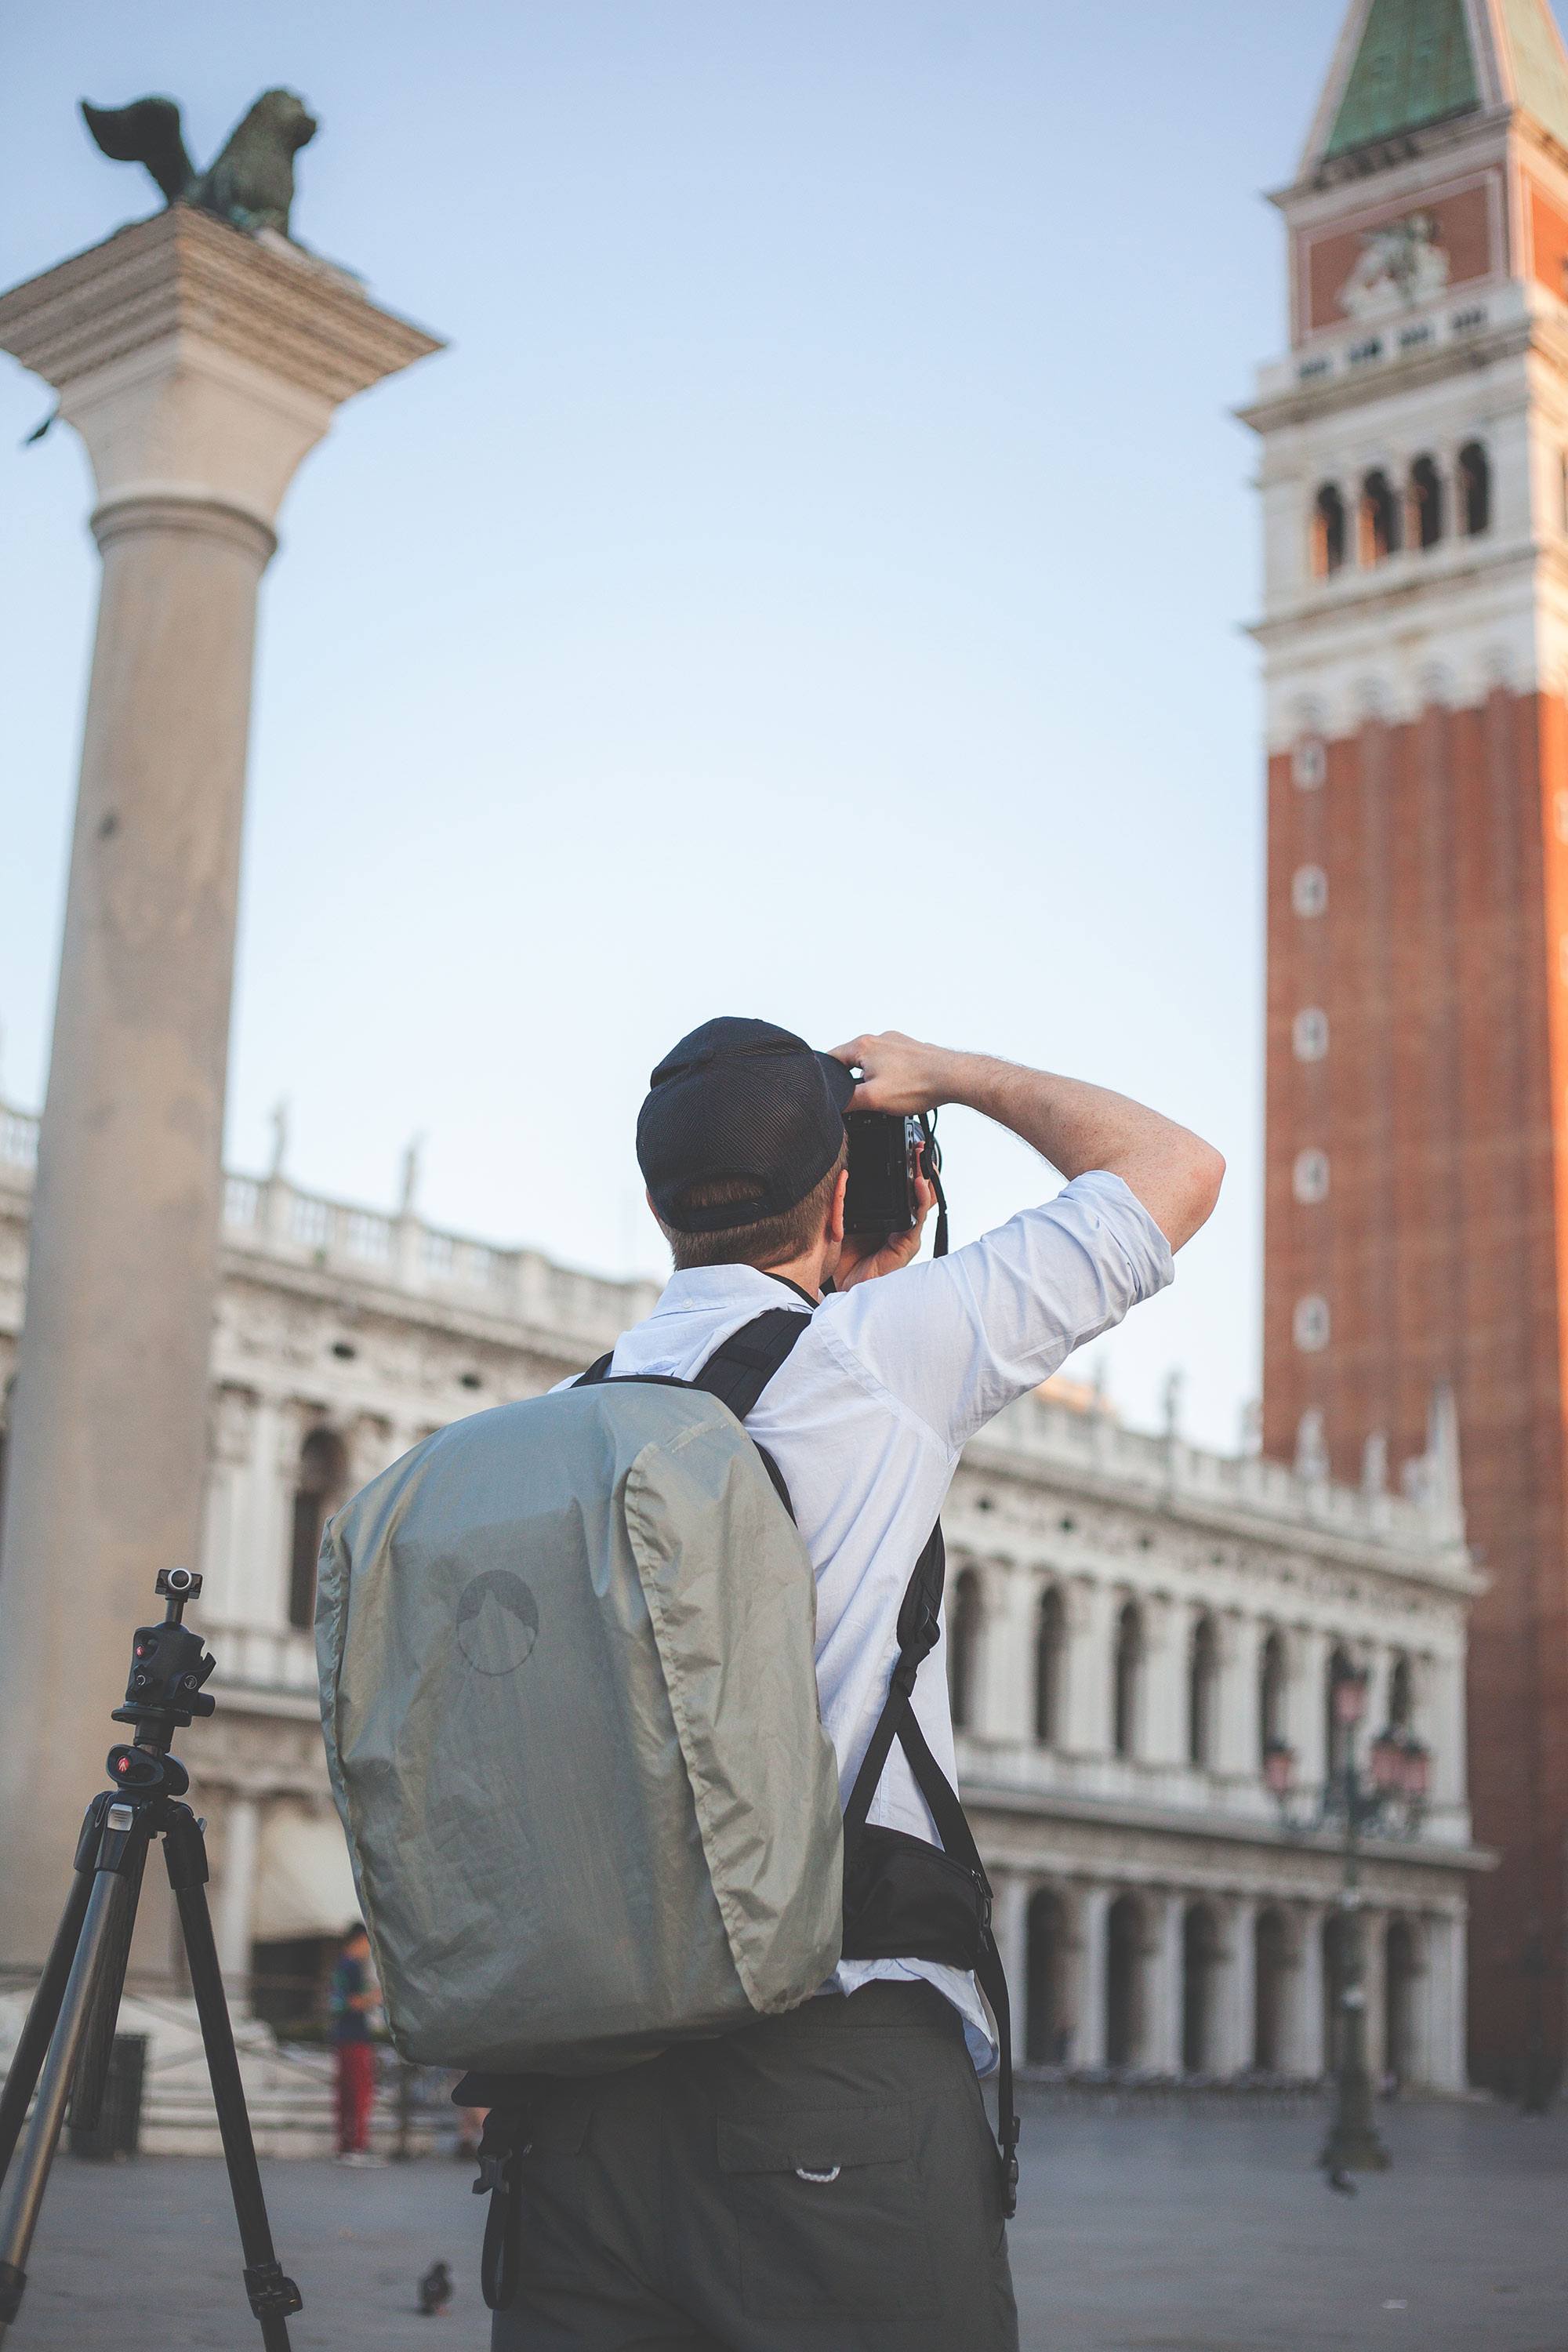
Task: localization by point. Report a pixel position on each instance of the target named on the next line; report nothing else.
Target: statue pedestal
(199, 366)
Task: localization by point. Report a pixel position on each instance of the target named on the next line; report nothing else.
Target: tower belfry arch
(1416, 694)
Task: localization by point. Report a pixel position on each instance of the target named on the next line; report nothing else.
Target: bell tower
(1415, 634)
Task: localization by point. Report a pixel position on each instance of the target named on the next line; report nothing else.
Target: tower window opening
(1309, 890)
(1309, 1177)
(1425, 503)
(1310, 1325)
(1310, 763)
(1328, 532)
(1475, 490)
(1310, 1034)
(1379, 518)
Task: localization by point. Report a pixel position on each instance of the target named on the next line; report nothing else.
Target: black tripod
(65, 2045)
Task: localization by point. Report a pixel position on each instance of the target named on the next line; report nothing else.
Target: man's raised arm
(1076, 1127)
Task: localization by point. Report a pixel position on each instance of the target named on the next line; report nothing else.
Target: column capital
(197, 361)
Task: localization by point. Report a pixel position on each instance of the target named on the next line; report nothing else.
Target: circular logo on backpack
(497, 1622)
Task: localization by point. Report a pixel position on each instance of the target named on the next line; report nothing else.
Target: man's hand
(901, 1074)
(861, 1258)
(1074, 1125)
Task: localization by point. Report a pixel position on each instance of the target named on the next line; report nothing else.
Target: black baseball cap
(741, 1099)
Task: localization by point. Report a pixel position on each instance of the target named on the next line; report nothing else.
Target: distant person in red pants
(351, 1998)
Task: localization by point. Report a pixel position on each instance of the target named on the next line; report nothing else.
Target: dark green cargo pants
(821, 2182)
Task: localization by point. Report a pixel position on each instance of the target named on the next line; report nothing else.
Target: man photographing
(675, 2204)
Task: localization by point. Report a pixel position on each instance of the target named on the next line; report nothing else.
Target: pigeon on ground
(435, 2290)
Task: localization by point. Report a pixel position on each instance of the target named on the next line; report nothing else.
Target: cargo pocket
(553, 2217)
(829, 2206)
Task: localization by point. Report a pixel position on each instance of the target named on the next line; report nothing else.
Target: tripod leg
(98, 2041)
(33, 2040)
(113, 1894)
(272, 2296)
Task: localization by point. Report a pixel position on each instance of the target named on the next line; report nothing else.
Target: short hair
(768, 1241)
(358, 1928)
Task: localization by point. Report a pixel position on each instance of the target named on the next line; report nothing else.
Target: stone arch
(1047, 2026)
(1337, 1735)
(1127, 1680)
(1270, 1977)
(1200, 1985)
(1203, 1691)
(964, 1617)
(1273, 1681)
(1050, 1659)
(321, 1482)
(1401, 1693)
(1126, 1964)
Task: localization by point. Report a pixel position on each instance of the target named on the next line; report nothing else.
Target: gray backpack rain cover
(565, 1651)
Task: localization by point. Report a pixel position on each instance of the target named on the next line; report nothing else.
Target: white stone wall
(378, 1329)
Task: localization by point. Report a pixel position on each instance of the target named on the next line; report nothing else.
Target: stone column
(1238, 1746)
(1088, 2024)
(237, 1891)
(1309, 1659)
(1164, 1980)
(1011, 1917)
(1305, 2052)
(199, 365)
(1236, 2008)
(1167, 1641)
(1443, 2005)
(1090, 1616)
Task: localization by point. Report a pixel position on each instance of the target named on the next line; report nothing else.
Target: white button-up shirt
(866, 1419)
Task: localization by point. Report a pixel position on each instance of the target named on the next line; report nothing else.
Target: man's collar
(695, 1288)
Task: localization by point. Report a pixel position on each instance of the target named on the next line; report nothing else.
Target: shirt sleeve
(955, 1339)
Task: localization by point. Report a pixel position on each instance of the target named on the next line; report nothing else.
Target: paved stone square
(1195, 2230)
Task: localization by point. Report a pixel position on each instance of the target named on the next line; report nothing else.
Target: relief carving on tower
(1402, 264)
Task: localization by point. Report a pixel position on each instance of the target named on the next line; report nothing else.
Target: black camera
(888, 1150)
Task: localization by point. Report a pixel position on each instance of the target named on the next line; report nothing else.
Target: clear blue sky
(811, 584)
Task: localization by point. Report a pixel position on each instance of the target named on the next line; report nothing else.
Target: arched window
(1050, 1633)
(1399, 1695)
(1425, 503)
(1475, 490)
(1203, 1678)
(1271, 1694)
(962, 1648)
(1127, 1673)
(319, 1484)
(1379, 518)
(1328, 532)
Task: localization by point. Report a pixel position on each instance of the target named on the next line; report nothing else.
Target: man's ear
(835, 1208)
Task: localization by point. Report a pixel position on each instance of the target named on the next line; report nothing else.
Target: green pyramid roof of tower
(1413, 66)
(1540, 69)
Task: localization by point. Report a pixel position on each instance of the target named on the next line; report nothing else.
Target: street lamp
(1399, 1774)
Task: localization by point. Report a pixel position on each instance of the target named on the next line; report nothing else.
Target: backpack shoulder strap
(738, 1373)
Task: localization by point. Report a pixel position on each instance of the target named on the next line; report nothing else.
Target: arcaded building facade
(1131, 1624)
(1413, 470)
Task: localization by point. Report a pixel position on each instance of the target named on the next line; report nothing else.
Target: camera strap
(919, 1623)
(501, 2147)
